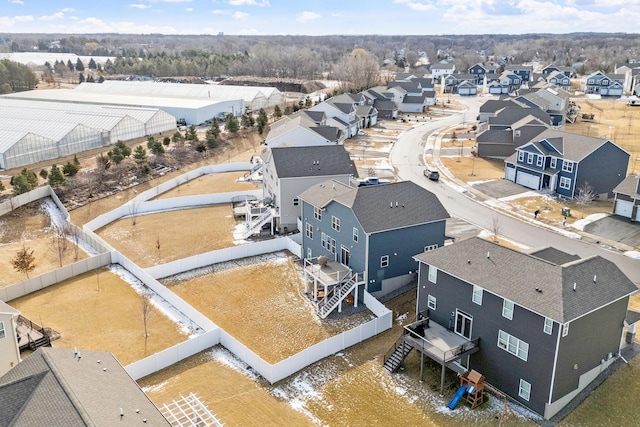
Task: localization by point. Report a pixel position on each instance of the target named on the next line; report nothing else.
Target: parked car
(372, 181)
(432, 175)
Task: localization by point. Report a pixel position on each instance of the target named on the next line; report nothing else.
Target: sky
(319, 17)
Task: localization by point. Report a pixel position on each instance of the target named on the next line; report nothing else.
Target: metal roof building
(35, 131)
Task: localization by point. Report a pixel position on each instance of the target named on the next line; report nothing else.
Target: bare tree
(585, 195)
(158, 246)
(133, 212)
(24, 261)
(145, 307)
(496, 227)
(59, 236)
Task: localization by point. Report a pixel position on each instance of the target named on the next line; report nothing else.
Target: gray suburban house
(626, 201)
(374, 231)
(539, 326)
(288, 171)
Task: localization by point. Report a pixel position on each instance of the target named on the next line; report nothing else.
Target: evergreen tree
(31, 178)
(101, 79)
(80, 78)
(92, 64)
(166, 141)
(155, 146)
(79, 65)
(177, 138)
(43, 173)
(70, 65)
(76, 161)
(70, 169)
(277, 112)
(211, 139)
(192, 134)
(140, 156)
(56, 178)
(90, 79)
(20, 185)
(247, 120)
(231, 123)
(215, 127)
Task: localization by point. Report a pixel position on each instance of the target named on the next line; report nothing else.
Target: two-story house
(289, 171)
(480, 70)
(510, 80)
(550, 99)
(563, 162)
(440, 69)
(551, 68)
(374, 230)
(523, 71)
(9, 347)
(303, 128)
(500, 142)
(382, 101)
(559, 79)
(341, 112)
(546, 323)
(626, 201)
(599, 83)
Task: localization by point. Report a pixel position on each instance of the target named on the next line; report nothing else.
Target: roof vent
(488, 255)
(594, 278)
(396, 204)
(539, 290)
(390, 204)
(574, 286)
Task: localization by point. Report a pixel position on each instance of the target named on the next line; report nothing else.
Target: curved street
(462, 201)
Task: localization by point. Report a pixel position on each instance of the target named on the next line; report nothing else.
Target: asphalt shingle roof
(630, 186)
(58, 389)
(517, 276)
(324, 160)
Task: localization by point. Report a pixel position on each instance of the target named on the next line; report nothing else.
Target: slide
(454, 402)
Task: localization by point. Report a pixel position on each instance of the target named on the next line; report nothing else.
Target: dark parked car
(432, 175)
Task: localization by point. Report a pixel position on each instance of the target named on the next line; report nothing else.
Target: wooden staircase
(394, 358)
(254, 225)
(43, 341)
(335, 296)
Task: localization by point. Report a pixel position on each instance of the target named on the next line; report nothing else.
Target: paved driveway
(499, 188)
(616, 228)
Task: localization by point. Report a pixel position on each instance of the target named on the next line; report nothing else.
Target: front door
(345, 256)
(464, 322)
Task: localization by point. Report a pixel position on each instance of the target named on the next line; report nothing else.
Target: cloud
(420, 6)
(189, 9)
(67, 10)
(307, 16)
(54, 17)
(261, 3)
(17, 2)
(240, 16)
(8, 21)
(220, 12)
(139, 6)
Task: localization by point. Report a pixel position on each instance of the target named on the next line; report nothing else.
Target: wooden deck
(330, 274)
(439, 343)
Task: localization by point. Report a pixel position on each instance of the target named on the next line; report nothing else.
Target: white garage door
(510, 174)
(528, 180)
(623, 208)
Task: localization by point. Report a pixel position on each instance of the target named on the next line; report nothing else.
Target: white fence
(31, 196)
(224, 255)
(52, 277)
(172, 355)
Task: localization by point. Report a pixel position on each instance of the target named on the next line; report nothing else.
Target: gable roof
(54, 387)
(553, 255)
(495, 105)
(516, 276)
(381, 207)
(573, 146)
(510, 115)
(324, 160)
(630, 186)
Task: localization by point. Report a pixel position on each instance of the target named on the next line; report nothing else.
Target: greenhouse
(254, 97)
(35, 131)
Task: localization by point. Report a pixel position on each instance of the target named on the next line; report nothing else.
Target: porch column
(442, 379)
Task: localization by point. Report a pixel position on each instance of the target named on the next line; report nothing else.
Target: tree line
(16, 77)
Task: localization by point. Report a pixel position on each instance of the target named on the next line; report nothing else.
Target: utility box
(566, 212)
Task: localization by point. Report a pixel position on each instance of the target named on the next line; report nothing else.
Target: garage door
(510, 174)
(528, 180)
(623, 208)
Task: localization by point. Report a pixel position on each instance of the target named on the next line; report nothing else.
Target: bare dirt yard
(470, 169)
(30, 227)
(261, 302)
(162, 237)
(210, 184)
(100, 311)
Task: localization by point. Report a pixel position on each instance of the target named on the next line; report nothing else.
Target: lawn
(210, 184)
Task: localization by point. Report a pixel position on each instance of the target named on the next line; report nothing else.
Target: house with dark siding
(545, 323)
(564, 162)
(374, 230)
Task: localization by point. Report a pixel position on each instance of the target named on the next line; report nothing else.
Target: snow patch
(582, 223)
(632, 254)
(401, 318)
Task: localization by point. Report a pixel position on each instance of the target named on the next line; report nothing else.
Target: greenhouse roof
(188, 90)
(8, 138)
(54, 130)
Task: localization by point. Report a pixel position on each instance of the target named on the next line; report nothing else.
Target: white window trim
(507, 309)
(3, 331)
(335, 223)
(433, 274)
(548, 326)
(521, 156)
(355, 234)
(308, 230)
(565, 329)
(530, 158)
(323, 240)
(513, 345)
(539, 161)
(309, 253)
(553, 163)
(524, 390)
(516, 133)
(384, 261)
(332, 245)
(431, 302)
(476, 297)
(317, 214)
(565, 183)
(567, 166)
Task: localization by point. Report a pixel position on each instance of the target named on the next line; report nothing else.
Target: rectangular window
(477, 295)
(521, 156)
(567, 166)
(565, 182)
(355, 234)
(530, 158)
(433, 274)
(565, 329)
(309, 253)
(513, 345)
(548, 326)
(516, 133)
(553, 163)
(309, 230)
(384, 261)
(335, 223)
(317, 214)
(590, 81)
(332, 245)
(323, 240)
(524, 391)
(296, 201)
(431, 302)
(430, 247)
(507, 309)
(539, 161)
(2, 331)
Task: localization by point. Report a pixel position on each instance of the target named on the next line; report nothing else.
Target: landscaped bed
(261, 303)
(162, 237)
(101, 311)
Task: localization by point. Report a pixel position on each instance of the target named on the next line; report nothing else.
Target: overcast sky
(319, 17)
